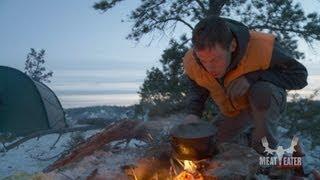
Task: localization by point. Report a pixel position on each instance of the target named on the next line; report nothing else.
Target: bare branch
(201, 5)
(50, 131)
(125, 129)
(277, 28)
(56, 141)
(180, 20)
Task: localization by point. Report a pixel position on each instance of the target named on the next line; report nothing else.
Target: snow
(28, 157)
(108, 164)
(132, 144)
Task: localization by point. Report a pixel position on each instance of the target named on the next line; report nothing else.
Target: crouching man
(246, 73)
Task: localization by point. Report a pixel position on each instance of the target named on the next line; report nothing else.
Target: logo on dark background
(280, 156)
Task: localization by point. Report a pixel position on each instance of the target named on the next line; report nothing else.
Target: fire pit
(192, 154)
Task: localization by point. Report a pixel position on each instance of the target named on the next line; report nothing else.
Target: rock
(281, 131)
(233, 161)
(309, 163)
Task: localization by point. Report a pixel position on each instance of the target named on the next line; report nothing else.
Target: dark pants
(266, 104)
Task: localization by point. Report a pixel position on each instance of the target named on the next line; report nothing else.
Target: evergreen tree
(164, 90)
(34, 66)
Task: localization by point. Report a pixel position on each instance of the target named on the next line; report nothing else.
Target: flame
(189, 166)
(190, 172)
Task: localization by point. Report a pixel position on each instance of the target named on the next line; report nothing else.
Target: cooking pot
(193, 141)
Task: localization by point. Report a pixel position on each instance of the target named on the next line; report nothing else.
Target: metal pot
(194, 141)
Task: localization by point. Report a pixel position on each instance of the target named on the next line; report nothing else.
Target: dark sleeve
(196, 98)
(284, 71)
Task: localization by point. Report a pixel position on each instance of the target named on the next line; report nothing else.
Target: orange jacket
(257, 57)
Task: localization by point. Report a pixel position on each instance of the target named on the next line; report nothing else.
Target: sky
(72, 33)
(93, 63)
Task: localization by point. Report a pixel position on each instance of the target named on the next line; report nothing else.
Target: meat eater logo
(280, 156)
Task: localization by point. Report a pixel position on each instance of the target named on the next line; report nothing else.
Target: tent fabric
(27, 106)
(52, 106)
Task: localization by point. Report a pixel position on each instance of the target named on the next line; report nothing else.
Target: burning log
(125, 129)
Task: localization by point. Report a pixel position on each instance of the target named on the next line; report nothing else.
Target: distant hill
(110, 113)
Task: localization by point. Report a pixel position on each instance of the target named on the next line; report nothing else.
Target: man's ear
(233, 45)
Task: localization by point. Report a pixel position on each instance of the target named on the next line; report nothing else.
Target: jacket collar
(241, 34)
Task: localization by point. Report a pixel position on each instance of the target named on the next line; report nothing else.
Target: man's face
(215, 59)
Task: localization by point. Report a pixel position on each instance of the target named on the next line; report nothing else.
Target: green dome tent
(27, 106)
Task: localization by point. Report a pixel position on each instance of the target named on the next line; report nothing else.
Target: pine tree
(164, 90)
(34, 66)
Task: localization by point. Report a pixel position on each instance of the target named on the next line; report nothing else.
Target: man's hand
(238, 87)
(191, 118)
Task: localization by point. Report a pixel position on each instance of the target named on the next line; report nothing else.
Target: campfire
(188, 156)
(176, 170)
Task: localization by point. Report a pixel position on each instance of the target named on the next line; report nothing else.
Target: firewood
(124, 129)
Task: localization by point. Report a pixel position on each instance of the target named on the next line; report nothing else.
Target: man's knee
(260, 95)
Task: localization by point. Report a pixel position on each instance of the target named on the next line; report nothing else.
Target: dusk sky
(72, 33)
(93, 63)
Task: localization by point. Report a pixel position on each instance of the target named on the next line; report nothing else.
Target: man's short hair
(210, 31)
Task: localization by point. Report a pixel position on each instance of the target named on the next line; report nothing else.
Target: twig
(120, 142)
(56, 141)
(46, 159)
(173, 166)
(4, 148)
(134, 174)
(50, 131)
(65, 175)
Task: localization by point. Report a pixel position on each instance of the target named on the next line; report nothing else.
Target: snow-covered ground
(32, 155)
(36, 154)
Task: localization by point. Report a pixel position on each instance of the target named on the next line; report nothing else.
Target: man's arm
(196, 99)
(284, 71)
